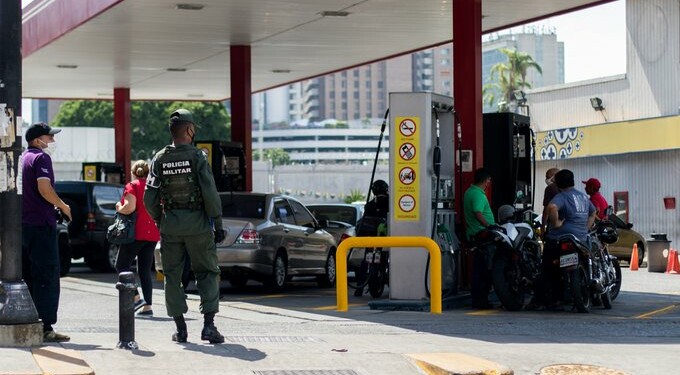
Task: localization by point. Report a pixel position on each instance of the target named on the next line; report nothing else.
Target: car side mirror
(310, 230)
(629, 225)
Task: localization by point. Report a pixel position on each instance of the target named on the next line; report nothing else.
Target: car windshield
(244, 206)
(337, 213)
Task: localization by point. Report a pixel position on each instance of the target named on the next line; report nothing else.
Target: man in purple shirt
(40, 252)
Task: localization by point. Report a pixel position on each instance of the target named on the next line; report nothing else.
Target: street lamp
(597, 105)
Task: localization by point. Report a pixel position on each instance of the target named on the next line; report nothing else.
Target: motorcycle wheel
(616, 288)
(376, 280)
(580, 290)
(505, 276)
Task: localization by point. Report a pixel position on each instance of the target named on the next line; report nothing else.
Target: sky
(594, 42)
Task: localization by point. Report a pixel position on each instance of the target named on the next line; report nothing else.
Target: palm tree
(507, 77)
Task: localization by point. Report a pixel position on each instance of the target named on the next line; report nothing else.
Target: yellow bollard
(391, 242)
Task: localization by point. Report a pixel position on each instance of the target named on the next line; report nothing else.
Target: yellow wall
(662, 133)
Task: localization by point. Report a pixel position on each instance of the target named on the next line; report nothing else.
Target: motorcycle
(515, 262)
(590, 275)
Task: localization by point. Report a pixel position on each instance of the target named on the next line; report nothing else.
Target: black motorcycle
(516, 260)
(590, 275)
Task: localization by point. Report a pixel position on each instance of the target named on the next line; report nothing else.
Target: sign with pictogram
(407, 175)
(407, 203)
(406, 164)
(407, 151)
(407, 127)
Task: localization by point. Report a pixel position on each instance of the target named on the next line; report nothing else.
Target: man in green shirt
(182, 199)
(477, 214)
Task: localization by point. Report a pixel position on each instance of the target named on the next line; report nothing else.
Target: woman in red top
(146, 236)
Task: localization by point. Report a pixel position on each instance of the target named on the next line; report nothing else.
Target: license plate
(568, 260)
(371, 258)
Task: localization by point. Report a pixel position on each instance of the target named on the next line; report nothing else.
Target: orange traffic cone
(672, 266)
(634, 259)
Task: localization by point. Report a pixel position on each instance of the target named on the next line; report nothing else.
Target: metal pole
(16, 305)
(126, 310)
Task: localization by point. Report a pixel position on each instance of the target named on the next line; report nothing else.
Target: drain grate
(283, 339)
(306, 372)
(578, 369)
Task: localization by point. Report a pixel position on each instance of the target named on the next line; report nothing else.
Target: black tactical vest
(179, 179)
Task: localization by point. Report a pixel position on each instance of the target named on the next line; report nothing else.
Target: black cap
(39, 129)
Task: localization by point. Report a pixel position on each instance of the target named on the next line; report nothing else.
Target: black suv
(93, 206)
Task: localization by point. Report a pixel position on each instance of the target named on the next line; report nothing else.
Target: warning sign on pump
(407, 127)
(407, 175)
(407, 203)
(407, 151)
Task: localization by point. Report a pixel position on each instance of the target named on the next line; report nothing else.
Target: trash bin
(657, 245)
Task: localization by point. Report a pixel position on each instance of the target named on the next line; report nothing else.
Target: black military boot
(210, 332)
(181, 334)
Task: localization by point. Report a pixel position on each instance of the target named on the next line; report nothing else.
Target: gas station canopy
(169, 50)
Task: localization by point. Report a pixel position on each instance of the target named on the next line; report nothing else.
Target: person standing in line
(146, 237)
(40, 252)
(549, 193)
(478, 216)
(593, 190)
(182, 199)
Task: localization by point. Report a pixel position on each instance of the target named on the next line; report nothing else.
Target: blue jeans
(40, 256)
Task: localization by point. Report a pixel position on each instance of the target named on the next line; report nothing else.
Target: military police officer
(182, 198)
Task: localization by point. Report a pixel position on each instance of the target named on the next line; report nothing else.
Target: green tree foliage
(278, 156)
(149, 121)
(507, 77)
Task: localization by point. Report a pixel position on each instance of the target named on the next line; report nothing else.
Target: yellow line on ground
(656, 312)
(483, 312)
(272, 296)
(333, 307)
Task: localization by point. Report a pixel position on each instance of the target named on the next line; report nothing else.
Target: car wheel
(327, 280)
(64, 256)
(277, 280)
(641, 253)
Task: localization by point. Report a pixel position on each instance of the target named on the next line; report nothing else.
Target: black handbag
(122, 231)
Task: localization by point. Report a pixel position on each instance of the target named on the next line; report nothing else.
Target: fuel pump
(227, 160)
(508, 156)
(422, 194)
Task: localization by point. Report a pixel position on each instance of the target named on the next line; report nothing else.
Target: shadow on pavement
(227, 350)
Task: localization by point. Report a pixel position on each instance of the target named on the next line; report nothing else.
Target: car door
(292, 236)
(314, 241)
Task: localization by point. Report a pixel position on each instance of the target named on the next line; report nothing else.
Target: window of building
(356, 95)
(356, 84)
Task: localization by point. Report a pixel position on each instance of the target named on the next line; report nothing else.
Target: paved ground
(300, 332)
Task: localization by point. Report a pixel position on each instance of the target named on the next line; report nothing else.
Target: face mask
(50, 148)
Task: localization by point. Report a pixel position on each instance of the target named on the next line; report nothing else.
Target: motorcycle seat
(523, 234)
(574, 239)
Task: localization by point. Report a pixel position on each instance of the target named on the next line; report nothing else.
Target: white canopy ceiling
(134, 43)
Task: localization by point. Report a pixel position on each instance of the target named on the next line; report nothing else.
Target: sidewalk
(259, 340)
(265, 340)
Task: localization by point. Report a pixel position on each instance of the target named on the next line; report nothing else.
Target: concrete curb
(56, 360)
(456, 364)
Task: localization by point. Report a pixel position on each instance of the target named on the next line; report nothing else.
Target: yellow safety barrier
(416, 241)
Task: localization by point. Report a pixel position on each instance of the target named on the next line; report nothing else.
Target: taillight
(91, 221)
(249, 236)
(567, 246)
(344, 237)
